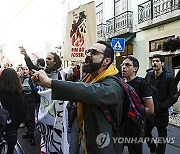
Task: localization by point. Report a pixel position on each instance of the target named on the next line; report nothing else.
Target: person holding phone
(40, 63)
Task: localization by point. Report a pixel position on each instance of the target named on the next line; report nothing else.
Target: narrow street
(25, 145)
(171, 148)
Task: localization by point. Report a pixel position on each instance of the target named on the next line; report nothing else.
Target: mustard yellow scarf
(110, 71)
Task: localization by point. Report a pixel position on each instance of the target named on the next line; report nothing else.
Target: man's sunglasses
(93, 52)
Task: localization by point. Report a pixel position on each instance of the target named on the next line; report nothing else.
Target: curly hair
(57, 60)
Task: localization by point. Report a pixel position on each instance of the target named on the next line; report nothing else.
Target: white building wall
(141, 46)
(141, 41)
(134, 8)
(108, 10)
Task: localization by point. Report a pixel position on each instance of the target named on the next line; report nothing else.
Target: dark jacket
(91, 95)
(163, 84)
(30, 64)
(175, 83)
(13, 103)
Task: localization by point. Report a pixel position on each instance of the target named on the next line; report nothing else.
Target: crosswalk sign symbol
(118, 44)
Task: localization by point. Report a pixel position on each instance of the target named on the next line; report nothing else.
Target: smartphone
(176, 61)
(21, 49)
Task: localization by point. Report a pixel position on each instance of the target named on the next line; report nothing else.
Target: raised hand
(41, 78)
(22, 50)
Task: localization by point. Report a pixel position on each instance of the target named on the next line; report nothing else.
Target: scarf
(110, 71)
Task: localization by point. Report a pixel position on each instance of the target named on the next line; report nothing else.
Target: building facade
(145, 25)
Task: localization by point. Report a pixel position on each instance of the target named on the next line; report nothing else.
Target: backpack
(133, 113)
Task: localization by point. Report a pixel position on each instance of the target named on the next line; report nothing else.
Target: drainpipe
(127, 14)
(127, 5)
(127, 25)
(114, 17)
(151, 9)
(114, 33)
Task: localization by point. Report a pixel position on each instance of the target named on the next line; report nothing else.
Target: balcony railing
(110, 26)
(155, 8)
(144, 12)
(120, 24)
(101, 31)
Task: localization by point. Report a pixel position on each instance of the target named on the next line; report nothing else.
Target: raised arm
(27, 59)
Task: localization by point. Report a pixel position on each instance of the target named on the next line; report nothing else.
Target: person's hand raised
(22, 50)
(41, 78)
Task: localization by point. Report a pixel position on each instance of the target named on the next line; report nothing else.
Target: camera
(176, 61)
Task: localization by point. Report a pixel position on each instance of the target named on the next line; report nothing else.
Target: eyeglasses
(126, 64)
(93, 52)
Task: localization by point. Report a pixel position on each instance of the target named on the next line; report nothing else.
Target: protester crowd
(85, 115)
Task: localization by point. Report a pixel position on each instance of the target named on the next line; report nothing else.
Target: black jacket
(30, 64)
(13, 103)
(163, 84)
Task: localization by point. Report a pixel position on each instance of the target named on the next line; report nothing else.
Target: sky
(37, 25)
(34, 24)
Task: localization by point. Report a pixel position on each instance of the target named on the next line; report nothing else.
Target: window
(128, 50)
(99, 14)
(157, 45)
(121, 6)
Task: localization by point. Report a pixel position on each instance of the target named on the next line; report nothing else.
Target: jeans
(161, 146)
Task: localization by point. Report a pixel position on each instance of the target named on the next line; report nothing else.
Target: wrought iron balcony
(144, 12)
(101, 31)
(110, 26)
(120, 24)
(153, 9)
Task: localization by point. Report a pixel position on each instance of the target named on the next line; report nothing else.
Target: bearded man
(100, 87)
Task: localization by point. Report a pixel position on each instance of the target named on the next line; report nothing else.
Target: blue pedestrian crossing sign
(118, 44)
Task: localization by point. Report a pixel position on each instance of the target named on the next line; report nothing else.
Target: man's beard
(91, 67)
(156, 67)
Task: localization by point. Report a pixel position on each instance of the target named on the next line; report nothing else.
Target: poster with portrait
(80, 32)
